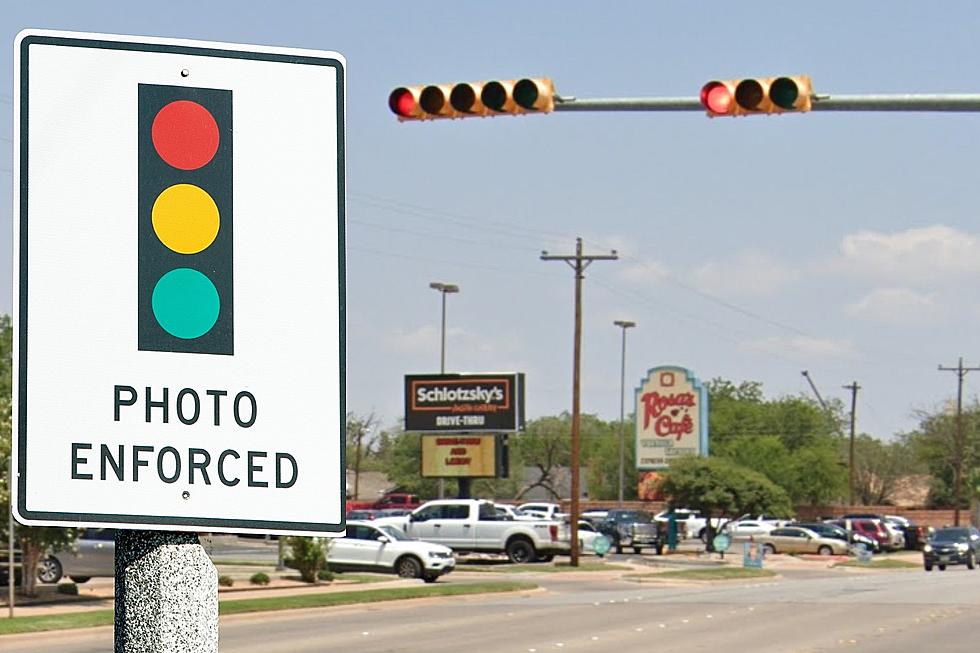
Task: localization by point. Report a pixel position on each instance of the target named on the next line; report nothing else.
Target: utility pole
(578, 262)
(854, 387)
(958, 442)
(623, 324)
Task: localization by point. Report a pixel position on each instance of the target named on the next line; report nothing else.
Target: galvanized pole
(955, 103)
(11, 576)
(445, 289)
(623, 324)
(578, 262)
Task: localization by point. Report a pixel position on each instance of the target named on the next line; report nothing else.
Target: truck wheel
(660, 549)
(49, 570)
(971, 561)
(408, 567)
(520, 551)
(619, 547)
(430, 578)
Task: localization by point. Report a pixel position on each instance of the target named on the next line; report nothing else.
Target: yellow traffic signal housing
(765, 95)
(468, 99)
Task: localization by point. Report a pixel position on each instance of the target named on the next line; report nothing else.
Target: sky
(845, 244)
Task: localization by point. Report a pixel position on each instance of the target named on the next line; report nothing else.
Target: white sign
(671, 417)
(179, 267)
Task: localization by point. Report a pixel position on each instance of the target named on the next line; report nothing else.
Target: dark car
(633, 528)
(952, 546)
(836, 532)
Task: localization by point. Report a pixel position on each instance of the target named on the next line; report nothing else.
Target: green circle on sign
(721, 542)
(186, 303)
(601, 545)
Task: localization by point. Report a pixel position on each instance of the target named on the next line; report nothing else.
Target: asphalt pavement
(809, 607)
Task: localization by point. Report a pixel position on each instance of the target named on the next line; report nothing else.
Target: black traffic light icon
(185, 279)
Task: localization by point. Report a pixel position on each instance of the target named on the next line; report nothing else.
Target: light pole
(623, 324)
(445, 289)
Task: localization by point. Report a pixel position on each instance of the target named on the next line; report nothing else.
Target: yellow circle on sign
(185, 218)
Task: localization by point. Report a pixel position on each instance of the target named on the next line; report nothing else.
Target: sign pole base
(166, 593)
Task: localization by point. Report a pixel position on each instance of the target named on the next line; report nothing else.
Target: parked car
(391, 512)
(587, 533)
(510, 512)
(594, 516)
(691, 523)
(747, 528)
(386, 549)
(838, 533)
(793, 539)
(896, 535)
(767, 519)
(633, 528)
(541, 510)
(958, 545)
(474, 525)
(915, 535)
(93, 554)
(361, 515)
(871, 528)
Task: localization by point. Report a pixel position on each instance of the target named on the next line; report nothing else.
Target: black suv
(633, 528)
(958, 545)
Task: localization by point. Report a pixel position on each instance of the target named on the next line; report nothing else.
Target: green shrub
(225, 581)
(68, 588)
(324, 575)
(259, 579)
(308, 556)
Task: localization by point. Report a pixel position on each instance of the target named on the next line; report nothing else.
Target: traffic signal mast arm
(964, 102)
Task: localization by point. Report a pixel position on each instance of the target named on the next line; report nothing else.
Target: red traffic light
(718, 98)
(402, 103)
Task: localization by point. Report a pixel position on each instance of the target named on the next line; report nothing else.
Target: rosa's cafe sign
(671, 417)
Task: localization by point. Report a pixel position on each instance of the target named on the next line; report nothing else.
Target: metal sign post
(185, 206)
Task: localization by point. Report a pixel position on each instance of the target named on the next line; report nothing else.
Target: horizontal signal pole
(963, 103)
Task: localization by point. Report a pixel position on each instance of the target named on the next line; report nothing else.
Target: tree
(546, 446)
(879, 466)
(358, 440)
(717, 487)
(933, 444)
(35, 542)
(792, 440)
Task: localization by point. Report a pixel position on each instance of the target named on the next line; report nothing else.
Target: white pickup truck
(474, 525)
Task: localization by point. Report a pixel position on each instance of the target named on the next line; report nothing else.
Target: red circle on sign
(185, 135)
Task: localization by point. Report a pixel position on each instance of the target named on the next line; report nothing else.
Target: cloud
(926, 254)
(897, 306)
(642, 272)
(801, 347)
(749, 273)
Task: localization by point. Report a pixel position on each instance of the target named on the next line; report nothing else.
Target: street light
(623, 324)
(445, 289)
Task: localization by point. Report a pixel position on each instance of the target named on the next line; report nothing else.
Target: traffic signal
(466, 99)
(184, 285)
(769, 95)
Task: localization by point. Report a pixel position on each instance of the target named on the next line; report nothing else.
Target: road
(827, 611)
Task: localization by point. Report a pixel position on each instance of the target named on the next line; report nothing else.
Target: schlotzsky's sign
(671, 417)
(464, 403)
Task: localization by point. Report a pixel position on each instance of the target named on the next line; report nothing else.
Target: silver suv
(92, 554)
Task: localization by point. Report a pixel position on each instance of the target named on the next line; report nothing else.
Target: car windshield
(394, 533)
(952, 535)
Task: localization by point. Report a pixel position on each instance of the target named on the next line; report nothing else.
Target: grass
(539, 568)
(105, 617)
(714, 573)
(880, 564)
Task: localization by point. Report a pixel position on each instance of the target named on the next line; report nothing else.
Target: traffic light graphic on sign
(185, 290)
(764, 95)
(473, 99)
